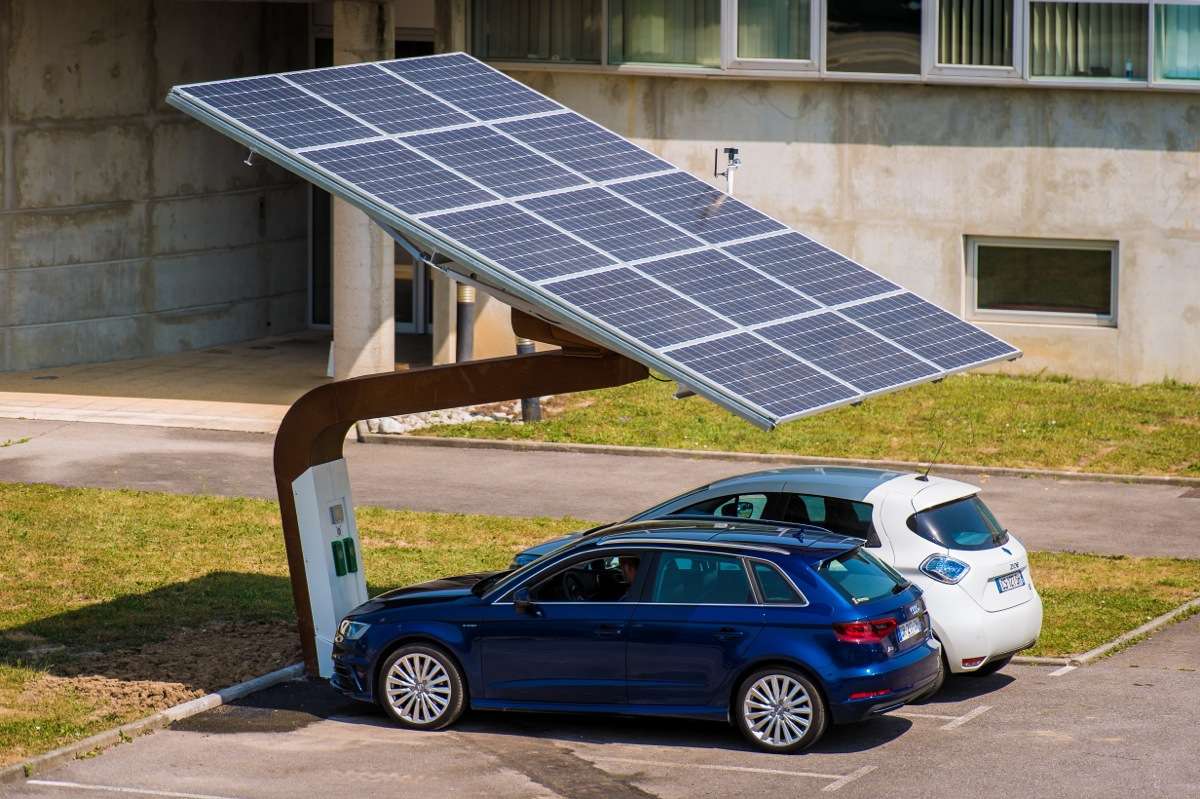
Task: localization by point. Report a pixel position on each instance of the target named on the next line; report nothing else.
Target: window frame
(1173, 84)
(647, 589)
(991, 74)
(762, 595)
(730, 60)
(1058, 81)
(919, 76)
(977, 314)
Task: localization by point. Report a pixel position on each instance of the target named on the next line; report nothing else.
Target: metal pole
(464, 340)
(531, 407)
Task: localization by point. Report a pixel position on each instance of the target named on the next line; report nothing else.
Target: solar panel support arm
(314, 429)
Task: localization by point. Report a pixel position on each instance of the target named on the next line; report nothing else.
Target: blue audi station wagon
(781, 630)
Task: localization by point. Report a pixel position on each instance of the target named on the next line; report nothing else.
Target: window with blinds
(1089, 40)
(975, 33)
(774, 29)
(538, 30)
(1177, 42)
(665, 32)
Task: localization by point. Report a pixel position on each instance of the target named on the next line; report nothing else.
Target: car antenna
(924, 478)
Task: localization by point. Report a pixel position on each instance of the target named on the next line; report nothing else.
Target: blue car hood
(445, 589)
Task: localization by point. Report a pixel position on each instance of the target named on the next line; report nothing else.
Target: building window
(881, 36)
(1040, 280)
(1088, 40)
(1177, 42)
(975, 33)
(538, 30)
(774, 29)
(665, 32)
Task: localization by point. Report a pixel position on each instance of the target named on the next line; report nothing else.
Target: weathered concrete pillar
(364, 311)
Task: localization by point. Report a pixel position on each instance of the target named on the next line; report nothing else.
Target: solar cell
(697, 207)
(398, 176)
(518, 242)
(281, 112)
(818, 271)
(721, 283)
(639, 307)
(379, 98)
(477, 89)
(584, 146)
(929, 331)
(847, 351)
(773, 380)
(654, 263)
(612, 224)
(493, 160)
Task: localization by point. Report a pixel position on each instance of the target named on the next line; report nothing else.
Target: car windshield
(483, 586)
(961, 524)
(861, 577)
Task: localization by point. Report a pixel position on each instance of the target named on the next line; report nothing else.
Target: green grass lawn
(990, 420)
(108, 595)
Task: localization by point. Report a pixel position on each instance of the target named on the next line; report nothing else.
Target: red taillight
(870, 694)
(970, 663)
(864, 632)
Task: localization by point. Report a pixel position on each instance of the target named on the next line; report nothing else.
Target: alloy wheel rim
(778, 710)
(418, 688)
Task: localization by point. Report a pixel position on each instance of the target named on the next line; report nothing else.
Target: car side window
(734, 506)
(842, 516)
(689, 578)
(776, 589)
(606, 579)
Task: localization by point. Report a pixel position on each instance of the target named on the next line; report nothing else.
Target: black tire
(440, 692)
(938, 682)
(991, 667)
(791, 736)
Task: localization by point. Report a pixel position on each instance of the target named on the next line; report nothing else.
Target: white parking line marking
(1062, 671)
(851, 777)
(117, 789)
(908, 715)
(716, 767)
(961, 720)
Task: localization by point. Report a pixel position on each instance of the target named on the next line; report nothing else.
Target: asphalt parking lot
(1125, 726)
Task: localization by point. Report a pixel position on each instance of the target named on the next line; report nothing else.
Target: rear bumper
(967, 631)
(906, 681)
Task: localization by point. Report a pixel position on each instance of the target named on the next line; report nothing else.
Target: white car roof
(855, 484)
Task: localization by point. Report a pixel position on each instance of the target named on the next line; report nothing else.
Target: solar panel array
(603, 235)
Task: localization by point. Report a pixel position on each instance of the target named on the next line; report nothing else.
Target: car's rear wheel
(939, 681)
(421, 688)
(779, 710)
(991, 667)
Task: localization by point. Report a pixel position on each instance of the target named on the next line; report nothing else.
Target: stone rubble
(407, 423)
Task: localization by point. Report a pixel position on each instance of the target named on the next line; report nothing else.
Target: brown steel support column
(315, 427)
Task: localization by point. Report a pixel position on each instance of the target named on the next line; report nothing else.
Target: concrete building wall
(126, 229)
(895, 176)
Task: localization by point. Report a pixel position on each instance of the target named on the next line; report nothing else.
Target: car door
(568, 645)
(697, 619)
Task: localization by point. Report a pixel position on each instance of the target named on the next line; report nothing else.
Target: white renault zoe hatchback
(935, 531)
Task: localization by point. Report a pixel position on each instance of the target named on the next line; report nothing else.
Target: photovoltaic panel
(610, 223)
(771, 379)
(495, 161)
(280, 112)
(719, 282)
(929, 331)
(399, 176)
(559, 216)
(477, 89)
(697, 207)
(638, 306)
(584, 146)
(518, 242)
(847, 351)
(819, 272)
(379, 98)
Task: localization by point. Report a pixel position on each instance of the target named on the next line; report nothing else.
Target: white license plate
(1007, 582)
(908, 630)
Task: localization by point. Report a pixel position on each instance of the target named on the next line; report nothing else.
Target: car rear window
(961, 524)
(861, 577)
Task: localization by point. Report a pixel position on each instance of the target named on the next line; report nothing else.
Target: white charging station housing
(325, 514)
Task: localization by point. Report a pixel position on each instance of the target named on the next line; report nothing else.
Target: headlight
(944, 568)
(352, 630)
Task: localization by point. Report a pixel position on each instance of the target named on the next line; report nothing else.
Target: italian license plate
(1007, 582)
(908, 630)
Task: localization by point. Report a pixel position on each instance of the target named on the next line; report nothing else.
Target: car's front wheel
(779, 710)
(421, 688)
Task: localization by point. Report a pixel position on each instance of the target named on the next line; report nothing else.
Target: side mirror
(523, 604)
(745, 510)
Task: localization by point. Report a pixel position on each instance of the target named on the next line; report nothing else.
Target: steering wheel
(573, 587)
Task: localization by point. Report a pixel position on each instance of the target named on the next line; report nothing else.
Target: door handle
(609, 630)
(729, 634)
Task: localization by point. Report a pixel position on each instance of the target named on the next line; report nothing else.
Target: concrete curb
(1149, 627)
(162, 718)
(755, 457)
